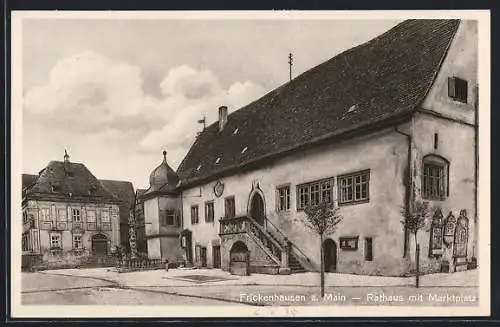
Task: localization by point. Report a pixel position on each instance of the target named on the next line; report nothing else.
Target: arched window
(435, 171)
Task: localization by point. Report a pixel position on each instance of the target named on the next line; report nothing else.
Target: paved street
(47, 288)
(215, 287)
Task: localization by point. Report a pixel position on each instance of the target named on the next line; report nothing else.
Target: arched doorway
(239, 259)
(257, 211)
(330, 255)
(99, 245)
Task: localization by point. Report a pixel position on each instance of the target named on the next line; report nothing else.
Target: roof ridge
(384, 77)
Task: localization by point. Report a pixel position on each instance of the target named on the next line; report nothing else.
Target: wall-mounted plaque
(218, 189)
(349, 243)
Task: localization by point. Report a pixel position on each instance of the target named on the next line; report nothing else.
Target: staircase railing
(245, 224)
(284, 239)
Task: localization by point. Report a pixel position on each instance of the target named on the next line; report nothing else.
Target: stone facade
(53, 236)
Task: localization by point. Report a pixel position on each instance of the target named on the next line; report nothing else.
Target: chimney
(222, 117)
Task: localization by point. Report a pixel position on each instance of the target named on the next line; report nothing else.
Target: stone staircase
(293, 263)
(279, 250)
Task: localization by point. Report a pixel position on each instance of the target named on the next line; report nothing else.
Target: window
(45, 214)
(209, 211)
(77, 241)
(354, 188)
(194, 215)
(76, 214)
(230, 208)
(368, 249)
(61, 215)
(91, 217)
(170, 218)
(105, 216)
(349, 243)
(303, 196)
(283, 202)
(55, 241)
(434, 178)
(315, 198)
(314, 193)
(457, 89)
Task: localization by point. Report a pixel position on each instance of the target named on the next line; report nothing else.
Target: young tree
(322, 219)
(415, 219)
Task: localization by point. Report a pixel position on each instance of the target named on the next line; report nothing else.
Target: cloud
(92, 100)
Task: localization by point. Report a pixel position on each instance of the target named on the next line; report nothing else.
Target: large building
(375, 129)
(71, 217)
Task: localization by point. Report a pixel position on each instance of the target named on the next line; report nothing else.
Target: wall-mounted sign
(349, 243)
(218, 189)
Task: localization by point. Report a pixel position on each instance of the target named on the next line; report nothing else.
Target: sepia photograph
(250, 163)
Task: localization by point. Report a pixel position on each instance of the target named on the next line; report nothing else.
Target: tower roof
(163, 178)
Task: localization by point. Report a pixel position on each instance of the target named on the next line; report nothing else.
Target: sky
(116, 93)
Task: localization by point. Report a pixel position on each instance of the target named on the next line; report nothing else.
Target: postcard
(250, 164)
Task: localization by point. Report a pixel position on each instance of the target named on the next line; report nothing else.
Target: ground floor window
(77, 241)
(55, 241)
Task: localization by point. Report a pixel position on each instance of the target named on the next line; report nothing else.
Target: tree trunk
(322, 269)
(417, 262)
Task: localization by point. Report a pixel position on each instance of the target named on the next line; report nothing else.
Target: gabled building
(69, 216)
(374, 129)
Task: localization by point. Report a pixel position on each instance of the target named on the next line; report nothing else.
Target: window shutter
(451, 87)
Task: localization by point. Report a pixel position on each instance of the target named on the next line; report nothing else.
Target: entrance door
(99, 245)
(330, 255)
(257, 208)
(216, 256)
(188, 246)
(204, 257)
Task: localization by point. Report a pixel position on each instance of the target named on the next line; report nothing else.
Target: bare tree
(415, 219)
(322, 219)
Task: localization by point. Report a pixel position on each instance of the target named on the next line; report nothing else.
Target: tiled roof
(78, 185)
(28, 180)
(124, 191)
(384, 78)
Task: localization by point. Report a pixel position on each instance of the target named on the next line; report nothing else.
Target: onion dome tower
(163, 177)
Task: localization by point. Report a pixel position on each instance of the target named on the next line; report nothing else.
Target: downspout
(409, 184)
